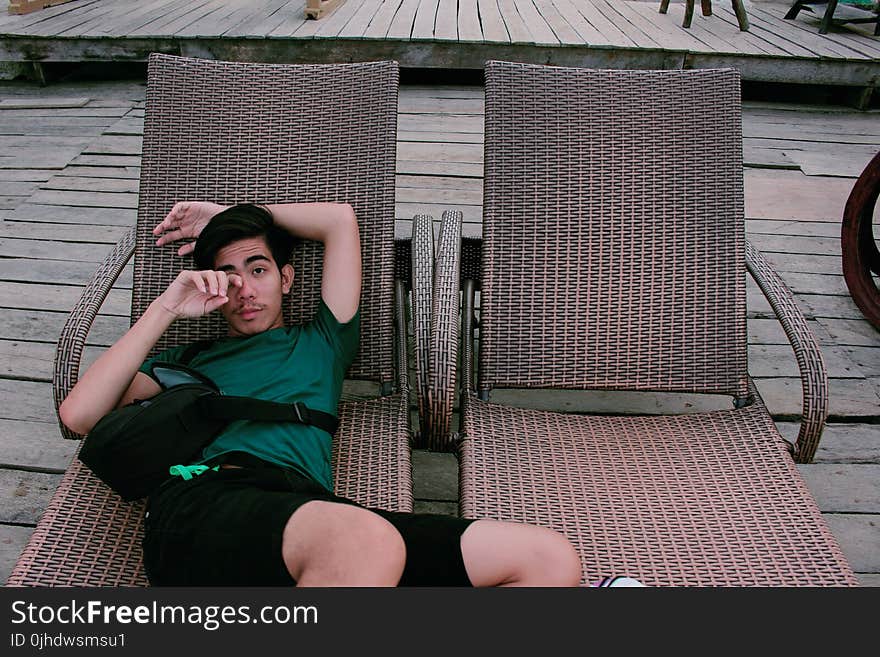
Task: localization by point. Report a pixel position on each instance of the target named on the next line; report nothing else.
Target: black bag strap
(248, 408)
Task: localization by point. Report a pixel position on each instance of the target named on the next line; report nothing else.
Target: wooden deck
(69, 166)
(451, 34)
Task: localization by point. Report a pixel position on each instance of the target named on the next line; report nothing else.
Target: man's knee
(329, 543)
(519, 554)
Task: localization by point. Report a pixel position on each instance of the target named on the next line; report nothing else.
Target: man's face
(256, 305)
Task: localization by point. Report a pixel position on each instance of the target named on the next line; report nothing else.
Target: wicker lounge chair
(613, 257)
(234, 132)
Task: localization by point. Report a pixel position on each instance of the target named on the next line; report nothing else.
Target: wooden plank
(470, 153)
(468, 21)
(588, 34)
(402, 23)
(796, 245)
(58, 25)
(30, 445)
(638, 30)
(82, 183)
(778, 361)
(358, 23)
(76, 170)
(43, 326)
(166, 21)
(446, 20)
(28, 157)
(130, 17)
(760, 228)
(492, 22)
(855, 332)
(25, 495)
(516, 25)
(26, 400)
(35, 212)
(53, 250)
(61, 232)
(115, 145)
(841, 442)
(792, 195)
(13, 539)
(423, 26)
(56, 272)
(59, 298)
(106, 160)
(542, 33)
(41, 103)
(867, 358)
(859, 536)
(26, 175)
(34, 361)
(804, 263)
(849, 399)
(461, 138)
(86, 199)
(825, 305)
(261, 20)
(843, 487)
(439, 168)
(381, 22)
(224, 15)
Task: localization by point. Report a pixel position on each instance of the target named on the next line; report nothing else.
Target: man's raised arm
(335, 225)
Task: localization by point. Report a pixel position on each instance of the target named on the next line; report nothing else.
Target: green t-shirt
(304, 363)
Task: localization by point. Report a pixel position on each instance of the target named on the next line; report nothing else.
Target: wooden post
(27, 6)
(318, 8)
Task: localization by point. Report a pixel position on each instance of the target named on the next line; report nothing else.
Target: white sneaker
(617, 581)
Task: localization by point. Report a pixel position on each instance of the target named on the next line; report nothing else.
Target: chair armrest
(68, 353)
(445, 321)
(814, 379)
(422, 281)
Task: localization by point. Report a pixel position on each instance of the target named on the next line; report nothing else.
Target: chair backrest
(245, 132)
(613, 231)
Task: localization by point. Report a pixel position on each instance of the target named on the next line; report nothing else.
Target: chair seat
(721, 504)
(88, 536)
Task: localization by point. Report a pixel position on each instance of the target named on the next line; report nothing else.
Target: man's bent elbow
(73, 419)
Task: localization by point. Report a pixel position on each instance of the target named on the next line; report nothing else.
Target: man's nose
(245, 290)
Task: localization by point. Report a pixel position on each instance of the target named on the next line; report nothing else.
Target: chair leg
(664, 6)
(688, 13)
(827, 18)
(706, 6)
(741, 16)
(795, 10)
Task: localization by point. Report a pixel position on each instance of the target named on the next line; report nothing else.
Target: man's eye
(259, 270)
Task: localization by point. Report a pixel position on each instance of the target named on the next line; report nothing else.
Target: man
(258, 508)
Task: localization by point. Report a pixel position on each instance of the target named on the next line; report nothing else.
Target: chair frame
(70, 545)
(458, 270)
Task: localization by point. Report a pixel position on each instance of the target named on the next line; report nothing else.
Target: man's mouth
(249, 312)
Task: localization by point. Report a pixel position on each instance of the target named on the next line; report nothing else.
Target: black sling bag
(132, 447)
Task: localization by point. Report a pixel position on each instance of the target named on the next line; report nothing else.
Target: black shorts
(225, 528)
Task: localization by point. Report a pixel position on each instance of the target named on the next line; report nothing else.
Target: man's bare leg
(332, 544)
(514, 554)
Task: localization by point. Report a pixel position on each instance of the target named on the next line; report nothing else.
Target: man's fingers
(189, 247)
(235, 279)
(211, 280)
(198, 281)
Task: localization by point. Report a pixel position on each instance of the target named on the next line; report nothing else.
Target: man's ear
(287, 275)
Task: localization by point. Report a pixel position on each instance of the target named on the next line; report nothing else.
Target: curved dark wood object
(860, 255)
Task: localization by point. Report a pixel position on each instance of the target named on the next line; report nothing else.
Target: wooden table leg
(664, 6)
(706, 6)
(688, 13)
(741, 16)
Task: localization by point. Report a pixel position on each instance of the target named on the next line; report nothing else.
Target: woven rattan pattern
(696, 500)
(274, 133)
(613, 230)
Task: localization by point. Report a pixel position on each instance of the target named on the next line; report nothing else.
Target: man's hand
(186, 219)
(197, 293)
